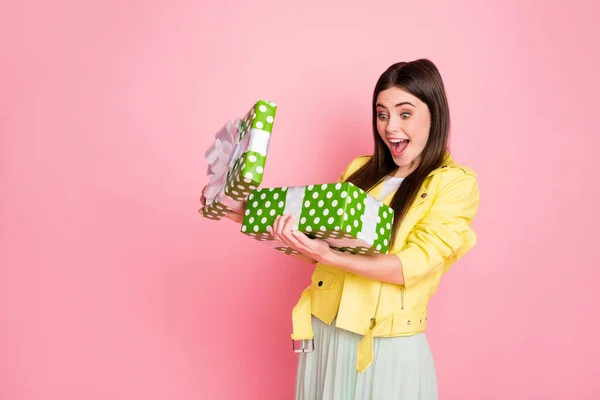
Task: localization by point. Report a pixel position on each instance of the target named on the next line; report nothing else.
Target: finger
(290, 239)
(304, 240)
(289, 224)
(277, 227)
(282, 228)
(273, 229)
(287, 229)
(286, 234)
(239, 208)
(282, 222)
(305, 248)
(236, 211)
(235, 217)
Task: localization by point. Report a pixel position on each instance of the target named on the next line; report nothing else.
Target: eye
(405, 115)
(382, 117)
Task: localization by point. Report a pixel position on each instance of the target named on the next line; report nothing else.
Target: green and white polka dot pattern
(247, 171)
(340, 213)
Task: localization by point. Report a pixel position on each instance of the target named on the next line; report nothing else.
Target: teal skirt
(402, 369)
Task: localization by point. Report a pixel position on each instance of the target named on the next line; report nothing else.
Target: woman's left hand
(282, 231)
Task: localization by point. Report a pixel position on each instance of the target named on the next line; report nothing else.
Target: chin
(403, 161)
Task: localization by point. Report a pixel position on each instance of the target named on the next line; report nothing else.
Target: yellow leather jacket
(435, 232)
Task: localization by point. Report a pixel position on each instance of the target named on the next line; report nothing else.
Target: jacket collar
(448, 162)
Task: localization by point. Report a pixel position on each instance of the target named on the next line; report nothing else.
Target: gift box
(236, 159)
(342, 214)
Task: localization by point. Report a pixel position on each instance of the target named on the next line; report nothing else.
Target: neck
(406, 170)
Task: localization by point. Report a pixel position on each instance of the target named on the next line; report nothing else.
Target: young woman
(366, 315)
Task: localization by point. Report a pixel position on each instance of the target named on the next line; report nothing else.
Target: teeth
(397, 140)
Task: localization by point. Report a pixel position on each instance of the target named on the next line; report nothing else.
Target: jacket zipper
(374, 319)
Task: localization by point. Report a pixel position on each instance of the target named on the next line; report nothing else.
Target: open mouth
(398, 145)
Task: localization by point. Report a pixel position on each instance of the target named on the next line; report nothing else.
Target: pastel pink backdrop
(112, 286)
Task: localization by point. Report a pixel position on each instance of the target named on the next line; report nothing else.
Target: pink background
(112, 286)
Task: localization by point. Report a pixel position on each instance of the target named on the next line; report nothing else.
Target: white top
(390, 184)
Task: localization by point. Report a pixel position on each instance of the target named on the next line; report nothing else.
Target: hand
(316, 249)
(236, 214)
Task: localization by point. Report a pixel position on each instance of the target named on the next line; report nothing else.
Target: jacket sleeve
(445, 232)
(354, 165)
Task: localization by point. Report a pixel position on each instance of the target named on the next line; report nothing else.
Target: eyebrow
(399, 104)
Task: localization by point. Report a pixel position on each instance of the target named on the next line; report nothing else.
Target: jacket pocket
(325, 294)
(322, 279)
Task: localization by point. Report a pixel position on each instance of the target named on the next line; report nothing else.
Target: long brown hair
(422, 79)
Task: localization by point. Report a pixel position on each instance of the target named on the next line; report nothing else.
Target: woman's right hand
(236, 214)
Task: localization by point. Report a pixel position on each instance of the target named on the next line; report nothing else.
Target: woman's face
(403, 123)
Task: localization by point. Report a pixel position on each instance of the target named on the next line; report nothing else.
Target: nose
(393, 125)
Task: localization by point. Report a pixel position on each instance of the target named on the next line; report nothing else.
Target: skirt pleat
(403, 368)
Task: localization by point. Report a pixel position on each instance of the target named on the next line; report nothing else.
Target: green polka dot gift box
(342, 214)
(236, 159)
